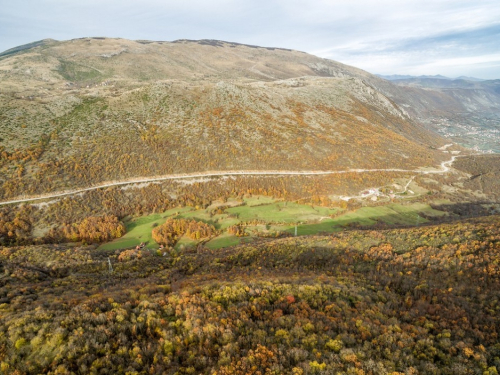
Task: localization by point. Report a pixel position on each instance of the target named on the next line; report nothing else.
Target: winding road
(444, 167)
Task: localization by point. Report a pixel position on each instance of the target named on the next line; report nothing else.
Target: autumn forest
(207, 207)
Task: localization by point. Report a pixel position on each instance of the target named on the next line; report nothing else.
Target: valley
(210, 207)
(116, 129)
(262, 217)
(478, 133)
(464, 111)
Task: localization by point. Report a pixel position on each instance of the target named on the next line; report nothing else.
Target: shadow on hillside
(454, 212)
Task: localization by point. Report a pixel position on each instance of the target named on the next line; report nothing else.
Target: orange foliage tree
(169, 233)
(95, 229)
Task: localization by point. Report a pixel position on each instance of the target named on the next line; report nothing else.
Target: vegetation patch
(139, 230)
(78, 73)
(271, 220)
(168, 233)
(280, 212)
(224, 240)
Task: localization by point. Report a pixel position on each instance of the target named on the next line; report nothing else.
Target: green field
(392, 214)
(282, 212)
(139, 230)
(268, 216)
(258, 200)
(224, 240)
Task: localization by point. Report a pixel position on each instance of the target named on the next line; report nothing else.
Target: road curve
(444, 167)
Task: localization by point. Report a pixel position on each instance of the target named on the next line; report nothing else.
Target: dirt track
(444, 167)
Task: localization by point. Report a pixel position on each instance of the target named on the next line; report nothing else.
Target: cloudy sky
(449, 37)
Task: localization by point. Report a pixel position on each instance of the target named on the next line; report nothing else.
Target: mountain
(84, 111)
(28, 46)
(439, 83)
(471, 78)
(393, 77)
(396, 77)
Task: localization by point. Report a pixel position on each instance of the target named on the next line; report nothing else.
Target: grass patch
(389, 214)
(139, 230)
(258, 200)
(78, 73)
(184, 242)
(326, 226)
(220, 221)
(415, 208)
(392, 214)
(280, 212)
(279, 216)
(224, 240)
(120, 243)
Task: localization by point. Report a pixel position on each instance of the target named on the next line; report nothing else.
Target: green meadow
(265, 216)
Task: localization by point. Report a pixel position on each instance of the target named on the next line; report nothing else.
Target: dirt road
(444, 167)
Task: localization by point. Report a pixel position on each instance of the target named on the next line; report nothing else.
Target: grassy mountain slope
(90, 110)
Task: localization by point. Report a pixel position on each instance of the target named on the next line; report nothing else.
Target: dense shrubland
(484, 171)
(237, 230)
(16, 225)
(422, 300)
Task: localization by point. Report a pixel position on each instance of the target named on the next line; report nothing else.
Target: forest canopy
(402, 301)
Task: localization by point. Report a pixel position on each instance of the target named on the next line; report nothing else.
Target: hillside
(84, 111)
(359, 302)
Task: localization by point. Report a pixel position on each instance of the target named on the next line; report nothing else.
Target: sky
(408, 37)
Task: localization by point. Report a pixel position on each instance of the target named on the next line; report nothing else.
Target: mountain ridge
(397, 77)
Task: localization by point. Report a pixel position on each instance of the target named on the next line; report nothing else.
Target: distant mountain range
(464, 109)
(396, 77)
